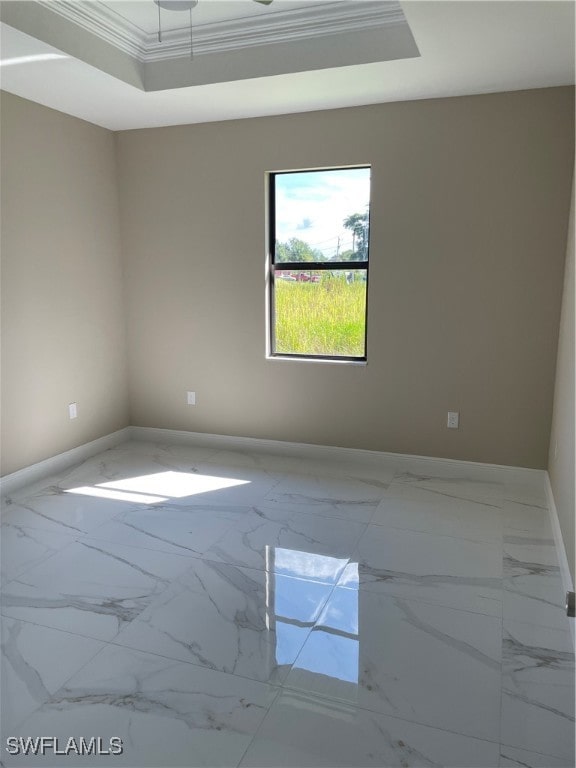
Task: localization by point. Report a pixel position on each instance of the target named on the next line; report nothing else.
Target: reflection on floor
(219, 609)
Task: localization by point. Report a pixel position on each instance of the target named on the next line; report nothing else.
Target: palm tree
(358, 224)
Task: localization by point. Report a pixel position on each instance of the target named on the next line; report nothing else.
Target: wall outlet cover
(453, 420)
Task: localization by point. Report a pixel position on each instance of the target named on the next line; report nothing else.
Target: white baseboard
(357, 456)
(560, 548)
(35, 472)
(469, 469)
(558, 539)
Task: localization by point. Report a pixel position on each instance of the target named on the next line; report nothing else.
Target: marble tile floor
(220, 608)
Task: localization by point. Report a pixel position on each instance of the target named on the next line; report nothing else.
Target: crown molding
(280, 27)
(99, 19)
(269, 29)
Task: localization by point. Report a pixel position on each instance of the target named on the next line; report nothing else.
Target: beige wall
(562, 459)
(63, 336)
(469, 204)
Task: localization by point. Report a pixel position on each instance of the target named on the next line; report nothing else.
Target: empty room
(287, 383)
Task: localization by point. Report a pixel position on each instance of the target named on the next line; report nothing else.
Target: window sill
(323, 361)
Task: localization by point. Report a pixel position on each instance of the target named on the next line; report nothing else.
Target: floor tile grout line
(76, 671)
(531, 751)
(281, 685)
(493, 543)
(324, 697)
(505, 745)
(418, 599)
(257, 731)
(196, 665)
(545, 627)
(500, 702)
(38, 563)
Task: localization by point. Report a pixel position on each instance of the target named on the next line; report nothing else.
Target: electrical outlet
(73, 410)
(191, 398)
(453, 420)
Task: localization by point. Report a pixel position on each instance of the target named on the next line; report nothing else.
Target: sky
(312, 205)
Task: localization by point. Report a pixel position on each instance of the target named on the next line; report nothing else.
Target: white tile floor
(222, 609)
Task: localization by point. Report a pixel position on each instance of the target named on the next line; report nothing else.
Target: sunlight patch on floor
(158, 487)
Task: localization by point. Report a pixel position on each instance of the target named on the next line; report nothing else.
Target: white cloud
(321, 200)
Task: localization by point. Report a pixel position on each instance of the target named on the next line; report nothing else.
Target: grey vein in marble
(533, 505)
(458, 573)
(92, 588)
(11, 518)
(304, 730)
(235, 620)
(123, 609)
(533, 590)
(324, 506)
(250, 542)
(35, 662)
(29, 676)
(512, 757)
(464, 520)
(187, 532)
(368, 575)
(534, 702)
(525, 541)
(514, 568)
(398, 645)
(533, 720)
(538, 689)
(346, 497)
(22, 548)
(469, 491)
(54, 509)
(460, 646)
(519, 657)
(167, 713)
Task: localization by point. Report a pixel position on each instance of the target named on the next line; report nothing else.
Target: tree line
(299, 250)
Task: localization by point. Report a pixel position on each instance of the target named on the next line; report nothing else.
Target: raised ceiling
(219, 26)
(220, 41)
(102, 61)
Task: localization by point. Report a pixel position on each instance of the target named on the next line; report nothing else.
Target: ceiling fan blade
(263, 2)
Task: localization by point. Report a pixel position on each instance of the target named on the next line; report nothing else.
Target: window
(319, 243)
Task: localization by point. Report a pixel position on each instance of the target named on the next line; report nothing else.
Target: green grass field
(326, 318)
